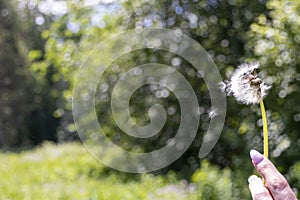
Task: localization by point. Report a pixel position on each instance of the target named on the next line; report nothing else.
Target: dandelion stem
(265, 129)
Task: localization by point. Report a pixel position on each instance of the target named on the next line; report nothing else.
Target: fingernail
(256, 156)
(255, 179)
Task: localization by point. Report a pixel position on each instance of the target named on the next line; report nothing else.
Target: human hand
(275, 188)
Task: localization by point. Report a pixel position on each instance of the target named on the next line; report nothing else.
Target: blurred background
(44, 42)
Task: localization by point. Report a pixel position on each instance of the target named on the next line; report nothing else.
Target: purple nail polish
(256, 156)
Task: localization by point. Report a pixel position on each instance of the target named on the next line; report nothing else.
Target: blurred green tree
(27, 114)
(16, 84)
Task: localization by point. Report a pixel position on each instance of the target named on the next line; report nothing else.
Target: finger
(275, 181)
(258, 190)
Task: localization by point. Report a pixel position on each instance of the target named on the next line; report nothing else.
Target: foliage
(17, 86)
(274, 39)
(214, 183)
(68, 41)
(294, 178)
(26, 106)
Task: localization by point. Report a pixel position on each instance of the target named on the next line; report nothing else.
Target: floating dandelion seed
(213, 112)
(248, 88)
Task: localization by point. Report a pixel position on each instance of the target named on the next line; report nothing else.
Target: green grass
(69, 172)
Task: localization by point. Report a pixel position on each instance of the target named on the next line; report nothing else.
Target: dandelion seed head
(245, 85)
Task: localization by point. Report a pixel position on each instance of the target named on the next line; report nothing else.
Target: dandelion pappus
(245, 85)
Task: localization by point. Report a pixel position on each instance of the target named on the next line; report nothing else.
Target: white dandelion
(245, 85)
(248, 88)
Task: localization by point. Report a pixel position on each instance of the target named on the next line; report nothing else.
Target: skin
(275, 188)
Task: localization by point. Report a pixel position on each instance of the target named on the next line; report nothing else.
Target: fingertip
(256, 156)
(254, 179)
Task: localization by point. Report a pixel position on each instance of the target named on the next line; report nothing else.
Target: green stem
(265, 129)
